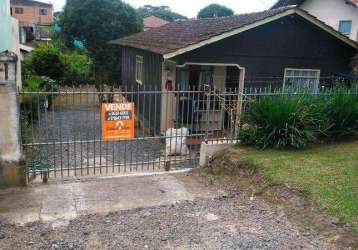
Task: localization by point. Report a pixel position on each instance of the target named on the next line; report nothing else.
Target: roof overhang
(297, 11)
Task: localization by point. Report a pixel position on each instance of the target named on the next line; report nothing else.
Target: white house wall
(15, 47)
(333, 11)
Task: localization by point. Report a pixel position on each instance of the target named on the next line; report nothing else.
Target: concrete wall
(11, 172)
(9, 125)
(333, 11)
(15, 47)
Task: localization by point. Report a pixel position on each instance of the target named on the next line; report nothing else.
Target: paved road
(159, 212)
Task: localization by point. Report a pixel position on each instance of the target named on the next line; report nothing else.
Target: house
(9, 46)
(342, 15)
(35, 19)
(277, 47)
(153, 22)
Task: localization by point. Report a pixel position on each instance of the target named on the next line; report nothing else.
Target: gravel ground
(228, 222)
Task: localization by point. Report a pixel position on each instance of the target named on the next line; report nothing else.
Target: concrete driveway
(57, 203)
(153, 212)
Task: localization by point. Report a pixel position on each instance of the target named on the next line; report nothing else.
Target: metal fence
(62, 130)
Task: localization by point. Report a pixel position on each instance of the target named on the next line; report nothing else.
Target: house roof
(30, 3)
(153, 22)
(282, 3)
(182, 36)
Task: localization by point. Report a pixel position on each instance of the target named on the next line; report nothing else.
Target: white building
(9, 39)
(339, 14)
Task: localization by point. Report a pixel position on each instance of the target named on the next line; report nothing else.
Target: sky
(190, 8)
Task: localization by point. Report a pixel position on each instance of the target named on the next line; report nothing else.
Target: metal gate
(61, 130)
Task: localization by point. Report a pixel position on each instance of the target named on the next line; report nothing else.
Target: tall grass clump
(282, 121)
(341, 112)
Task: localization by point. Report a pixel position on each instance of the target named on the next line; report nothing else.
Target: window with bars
(139, 74)
(301, 79)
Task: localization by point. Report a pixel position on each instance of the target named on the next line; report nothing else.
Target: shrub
(77, 68)
(33, 105)
(341, 111)
(45, 61)
(282, 122)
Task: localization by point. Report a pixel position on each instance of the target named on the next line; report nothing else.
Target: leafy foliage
(33, 105)
(46, 61)
(163, 12)
(215, 10)
(341, 110)
(68, 67)
(77, 68)
(282, 122)
(35, 83)
(96, 22)
(295, 121)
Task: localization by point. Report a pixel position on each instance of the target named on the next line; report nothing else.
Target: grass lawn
(328, 174)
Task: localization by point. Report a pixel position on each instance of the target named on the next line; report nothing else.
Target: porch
(202, 97)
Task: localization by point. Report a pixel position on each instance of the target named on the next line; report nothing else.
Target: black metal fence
(62, 130)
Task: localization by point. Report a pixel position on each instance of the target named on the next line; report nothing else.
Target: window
(43, 12)
(301, 79)
(345, 27)
(19, 10)
(205, 76)
(139, 69)
(6, 71)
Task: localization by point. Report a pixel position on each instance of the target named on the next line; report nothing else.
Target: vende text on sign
(117, 121)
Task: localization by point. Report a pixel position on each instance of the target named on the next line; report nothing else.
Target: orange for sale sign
(117, 121)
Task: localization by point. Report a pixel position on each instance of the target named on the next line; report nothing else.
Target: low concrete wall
(9, 124)
(208, 149)
(12, 174)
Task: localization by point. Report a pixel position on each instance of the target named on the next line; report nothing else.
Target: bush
(77, 68)
(32, 105)
(341, 112)
(64, 66)
(282, 122)
(46, 61)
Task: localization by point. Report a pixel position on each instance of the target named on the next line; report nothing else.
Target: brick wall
(31, 14)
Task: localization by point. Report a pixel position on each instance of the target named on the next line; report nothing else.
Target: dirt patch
(228, 171)
(234, 222)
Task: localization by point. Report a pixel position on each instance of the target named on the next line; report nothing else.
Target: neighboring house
(342, 15)
(279, 47)
(153, 22)
(35, 19)
(9, 45)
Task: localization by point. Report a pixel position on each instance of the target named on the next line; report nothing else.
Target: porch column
(240, 102)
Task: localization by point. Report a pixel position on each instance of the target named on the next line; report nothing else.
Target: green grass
(327, 174)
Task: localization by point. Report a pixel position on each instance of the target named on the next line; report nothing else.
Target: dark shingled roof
(282, 3)
(180, 34)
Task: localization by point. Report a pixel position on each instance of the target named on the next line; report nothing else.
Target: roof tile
(180, 34)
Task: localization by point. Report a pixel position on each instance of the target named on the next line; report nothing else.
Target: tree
(215, 10)
(95, 23)
(163, 12)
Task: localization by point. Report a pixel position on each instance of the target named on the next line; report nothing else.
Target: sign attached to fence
(117, 121)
